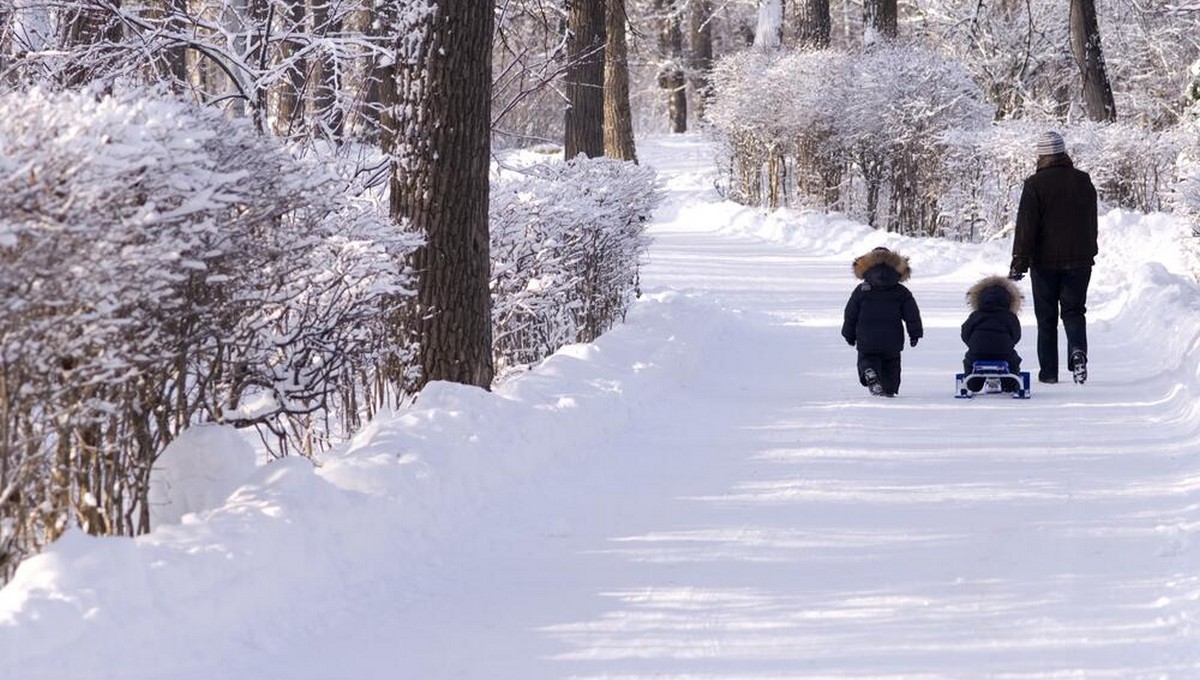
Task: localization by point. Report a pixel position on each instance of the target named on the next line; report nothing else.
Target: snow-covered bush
(777, 113)
(1131, 167)
(566, 245)
(1186, 195)
(162, 265)
(900, 137)
(860, 133)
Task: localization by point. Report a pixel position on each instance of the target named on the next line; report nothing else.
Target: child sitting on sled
(993, 330)
(876, 315)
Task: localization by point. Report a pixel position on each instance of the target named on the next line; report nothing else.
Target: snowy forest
(289, 216)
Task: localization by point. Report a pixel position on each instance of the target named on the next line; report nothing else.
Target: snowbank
(293, 533)
(245, 568)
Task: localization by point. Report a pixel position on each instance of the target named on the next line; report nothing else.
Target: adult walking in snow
(1056, 243)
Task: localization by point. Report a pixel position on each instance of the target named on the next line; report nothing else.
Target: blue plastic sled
(991, 373)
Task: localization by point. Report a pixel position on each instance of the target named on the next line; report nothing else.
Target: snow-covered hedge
(1185, 198)
(860, 133)
(900, 138)
(566, 244)
(161, 265)
(1132, 168)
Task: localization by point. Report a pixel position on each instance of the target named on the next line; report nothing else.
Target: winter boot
(873, 383)
(1079, 366)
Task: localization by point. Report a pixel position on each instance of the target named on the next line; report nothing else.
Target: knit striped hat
(1050, 144)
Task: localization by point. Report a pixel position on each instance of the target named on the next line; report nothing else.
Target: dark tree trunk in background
(328, 118)
(618, 117)
(585, 79)
(1085, 44)
(171, 62)
(814, 25)
(439, 183)
(374, 117)
(87, 27)
(670, 75)
(6, 16)
(879, 20)
(700, 53)
(289, 96)
(257, 53)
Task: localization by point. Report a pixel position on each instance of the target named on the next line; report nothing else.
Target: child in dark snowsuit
(992, 330)
(875, 319)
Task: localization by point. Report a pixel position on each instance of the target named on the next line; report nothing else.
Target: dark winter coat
(993, 329)
(1056, 219)
(880, 307)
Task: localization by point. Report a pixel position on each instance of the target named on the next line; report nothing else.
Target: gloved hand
(912, 342)
(1014, 275)
(849, 342)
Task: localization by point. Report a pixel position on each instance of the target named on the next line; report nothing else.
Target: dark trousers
(887, 367)
(1059, 292)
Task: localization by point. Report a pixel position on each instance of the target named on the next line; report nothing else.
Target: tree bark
(439, 184)
(769, 33)
(328, 117)
(700, 54)
(879, 20)
(670, 75)
(289, 99)
(618, 117)
(585, 79)
(377, 113)
(814, 25)
(1085, 44)
(171, 61)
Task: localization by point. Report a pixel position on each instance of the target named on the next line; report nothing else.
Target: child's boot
(873, 383)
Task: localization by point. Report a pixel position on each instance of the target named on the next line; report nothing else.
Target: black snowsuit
(877, 313)
(992, 330)
(1056, 240)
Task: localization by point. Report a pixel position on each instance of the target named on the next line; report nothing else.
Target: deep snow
(705, 492)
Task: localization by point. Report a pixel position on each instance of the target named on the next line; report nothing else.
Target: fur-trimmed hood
(882, 255)
(995, 291)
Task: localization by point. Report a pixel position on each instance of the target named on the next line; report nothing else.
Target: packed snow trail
(769, 519)
(705, 492)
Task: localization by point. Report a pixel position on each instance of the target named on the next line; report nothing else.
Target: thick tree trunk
(879, 20)
(585, 79)
(618, 117)
(769, 33)
(670, 75)
(440, 184)
(700, 54)
(1085, 44)
(814, 25)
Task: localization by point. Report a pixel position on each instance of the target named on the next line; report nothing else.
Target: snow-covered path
(706, 492)
(768, 519)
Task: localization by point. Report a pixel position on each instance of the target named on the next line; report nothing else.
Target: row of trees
(913, 135)
(900, 137)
